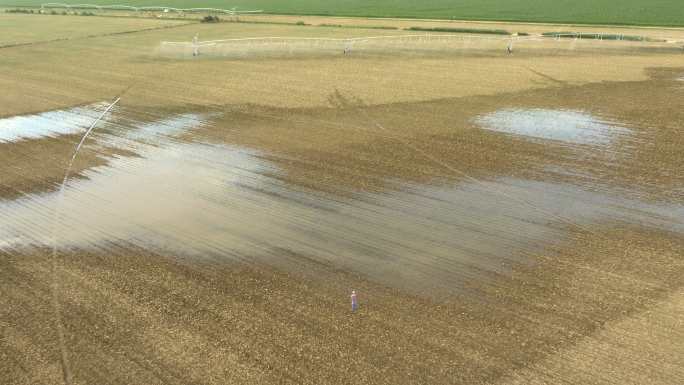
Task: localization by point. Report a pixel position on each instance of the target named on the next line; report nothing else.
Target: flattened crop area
(504, 218)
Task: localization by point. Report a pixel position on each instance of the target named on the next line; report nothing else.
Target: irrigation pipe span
(115, 7)
(66, 370)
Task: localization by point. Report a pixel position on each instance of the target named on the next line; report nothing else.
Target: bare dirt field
(505, 218)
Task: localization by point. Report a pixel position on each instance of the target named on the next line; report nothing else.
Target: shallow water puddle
(138, 136)
(115, 129)
(49, 124)
(214, 202)
(574, 127)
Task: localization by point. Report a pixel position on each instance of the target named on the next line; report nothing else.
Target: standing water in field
(204, 201)
(49, 124)
(574, 127)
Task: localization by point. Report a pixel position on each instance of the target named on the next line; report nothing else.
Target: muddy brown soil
(140, 318)
(38, 165)
(366, 149)
(351, 146)
(601, 304)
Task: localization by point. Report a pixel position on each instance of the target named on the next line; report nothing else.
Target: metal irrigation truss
(282, 45)
(350, 41)
(119, 7)
(436, 43)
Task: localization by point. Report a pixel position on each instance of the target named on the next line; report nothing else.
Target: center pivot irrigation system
(118, 7)
(228, 47)
(283, 45)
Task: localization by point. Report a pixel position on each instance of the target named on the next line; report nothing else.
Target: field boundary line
(41, 42)
(119, 7)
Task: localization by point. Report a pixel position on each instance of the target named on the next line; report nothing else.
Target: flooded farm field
(568, 126)
(503, 218)
(220, 202)
(209, 210)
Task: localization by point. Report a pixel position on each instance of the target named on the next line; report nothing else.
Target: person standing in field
(354, 302)
(195, 46)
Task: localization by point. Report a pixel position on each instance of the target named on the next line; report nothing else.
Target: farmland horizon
(289, 198)
(666, 13)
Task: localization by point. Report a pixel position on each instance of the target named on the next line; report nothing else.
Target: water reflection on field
(49, 124)
(206, 201)
(567, 126)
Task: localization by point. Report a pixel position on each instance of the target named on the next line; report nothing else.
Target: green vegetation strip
(357, 26)
(625, 12)
(461, 30)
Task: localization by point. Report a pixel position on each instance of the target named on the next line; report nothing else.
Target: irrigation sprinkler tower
(348, 46)
(509, 48)
(233, 12)
(195, 45)
(289, 45)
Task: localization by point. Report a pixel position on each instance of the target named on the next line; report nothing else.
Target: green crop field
(636, 12)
